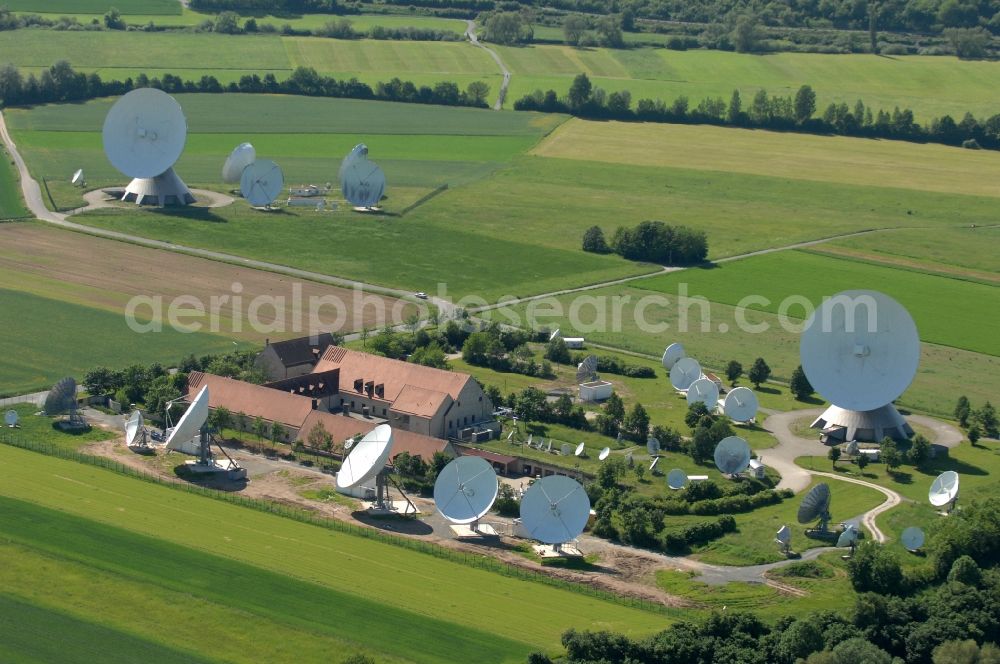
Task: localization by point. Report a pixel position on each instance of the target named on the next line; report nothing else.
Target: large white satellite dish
(358, 151)
(704, 391)
(944, 489)
(363, 183)
(261, 183)
(465, 489)
(912, 538)
(242, 156)
(677, 479)
(11, 418)
(673, 352)
(732, 455)
(860, 350)
(684, 372)
(367, 459)
(133, 429)
(848, 537)
(555, 509)
(741, 404)
(604, 453)
(144, 135)
(191, 421)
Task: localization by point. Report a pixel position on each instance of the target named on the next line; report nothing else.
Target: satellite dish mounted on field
(860, 350)
(652, 446)
(784, 538)
(193, 426)
(586, 371)
(242, 156)
(741, 405)
(62, 399)
(703, 391)
(848, 537)
(579, 450)
(816, 506)
(363, 183)
(912, 538)
(604, 454)
(77, 180)
(261, 183)
(944, 490)
(367, 461)
(671, 354)
(135, 431)
(684, 372)
(359, 151)
(144, 135)
(554, 510)
(732, 455)
(677, 479)
(11, 418)
(465, 490)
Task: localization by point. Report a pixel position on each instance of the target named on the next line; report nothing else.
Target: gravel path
(470, 32)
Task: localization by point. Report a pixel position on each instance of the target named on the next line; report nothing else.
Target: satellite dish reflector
(912, 538)
(579, 449)
(261, 183)
(61, 397)
(652, 446)
(555, 509)
(815, 505)
(11, 418)
(860, 349)
(242, 156)
(673, 352)
(656, 460)
(348, 444)
(604, 453)
(741, 404)
(684, 372)
(367, 459)
(191, 421)
(703, 391)
(849, 537)
(133, 428)
(732, 455)
(566, 449)
(77, 176)
(784, 535)
(466, 489)
(358, 151)
(944, 489)
(363, 183)
(554, 335)
(586, 370)
(677, 479)
(852, 448)
(144, 133)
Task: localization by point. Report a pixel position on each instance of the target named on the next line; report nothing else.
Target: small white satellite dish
(604, 453)
(510, 435)
(860, 349)
(784, 535)
(555, 509)
(703, 391)
(912, 538)
(11, 418)
(530, 438)
(144, 133)
(134, 429)
(363, 183)
(656, 460)
(367, 459)
(732, 455)
(652, 446)
(852, 448)
(944, 489)
(673, 352)
(684, 372)
(191, 421)
(77, 179)
(261, 183)
(579, 449)
(848, 537)
(465, 489)
(677, 479)
(242, 156)
(741, 404)
(554, 335)
(348, 444)
(566, 449)
(548, 448)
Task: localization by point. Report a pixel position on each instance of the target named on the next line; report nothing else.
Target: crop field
(296, 576)
(163, 7)
(11, 205)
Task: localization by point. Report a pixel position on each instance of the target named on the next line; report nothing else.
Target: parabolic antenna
(704, 391)
(673, 352)
(912, 538)
(944, 489)
(784, 535)
(363, 183)
(144, 133)
(555, 509)
(732, 455)
(61, 397)
(11, 418)
(348, 444)
(367, 459)
(566, 449)
(740, 405)
(554, 335)
(849, 537)
(656, 460)
(242, 156)
(860, 349)
(684, 372)
(261, 183)
(816, 505)
(359, 150)
(77, 176)
(191, 421)
(852, 448)
(652, 446)
(677, 479)
(586, 370)
(604, 453)
(579, 449)
(133, 428)
(465, 489)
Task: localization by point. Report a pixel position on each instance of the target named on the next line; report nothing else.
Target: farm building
(291, 358)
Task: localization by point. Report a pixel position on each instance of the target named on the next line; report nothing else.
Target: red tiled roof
(251, 400)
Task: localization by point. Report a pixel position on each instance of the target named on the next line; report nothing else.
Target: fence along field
(334, 563)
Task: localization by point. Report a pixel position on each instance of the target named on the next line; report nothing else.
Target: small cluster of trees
(759, 372)
(978, 422)
(707, 429)
(652, 242)
(506, 27)
(62, 83)
(614, 420)
(786, 113)
(504, 349)
(581, 30)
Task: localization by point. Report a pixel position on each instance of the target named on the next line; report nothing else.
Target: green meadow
(11, 205)
(144, 7)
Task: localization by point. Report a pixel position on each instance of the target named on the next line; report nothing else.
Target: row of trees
(786, 113)
(61, 82)
(979, 422)
(652, 242)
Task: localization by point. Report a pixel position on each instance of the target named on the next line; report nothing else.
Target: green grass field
(327, 583)
(11, 205)
(163, 7)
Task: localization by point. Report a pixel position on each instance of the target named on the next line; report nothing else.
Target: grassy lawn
(41, 429)
(290, 568)
(11, 205)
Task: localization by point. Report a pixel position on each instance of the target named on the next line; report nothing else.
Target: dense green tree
(695, 413)
(962, 411)
(799, 385)
(890, 454)
(557, 351)
(102, 380)
(580, 91)
(615, 408)
(113, 19)
(477, 93)
(593, 241)
(637, 422)
(759, 372)
(610, 472)
(798, 640)
(974, 434)
(574, 28)
(733, 371)
(920, 450)
(834, 455)
(507, 28)
(734, 112)
(746, 33)
(986, 418)
(862, 461)
(969, 43)
(966, 652)
(227, 23)
(873, 568)
(609, 32)
(430, 356)
(965, 570)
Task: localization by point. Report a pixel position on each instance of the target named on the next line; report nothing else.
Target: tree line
(796, 113)
(61, 83)
(652, 242)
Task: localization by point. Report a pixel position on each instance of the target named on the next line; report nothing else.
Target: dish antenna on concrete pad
(242, 156)
(555, 509)
(261, 183)
(741, 405)
(464, 492)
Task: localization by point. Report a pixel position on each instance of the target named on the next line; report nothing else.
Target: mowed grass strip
(395, 58)
(947, 311)
(11, 205)
(281, 598)
(353, 566)
(857, 161)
